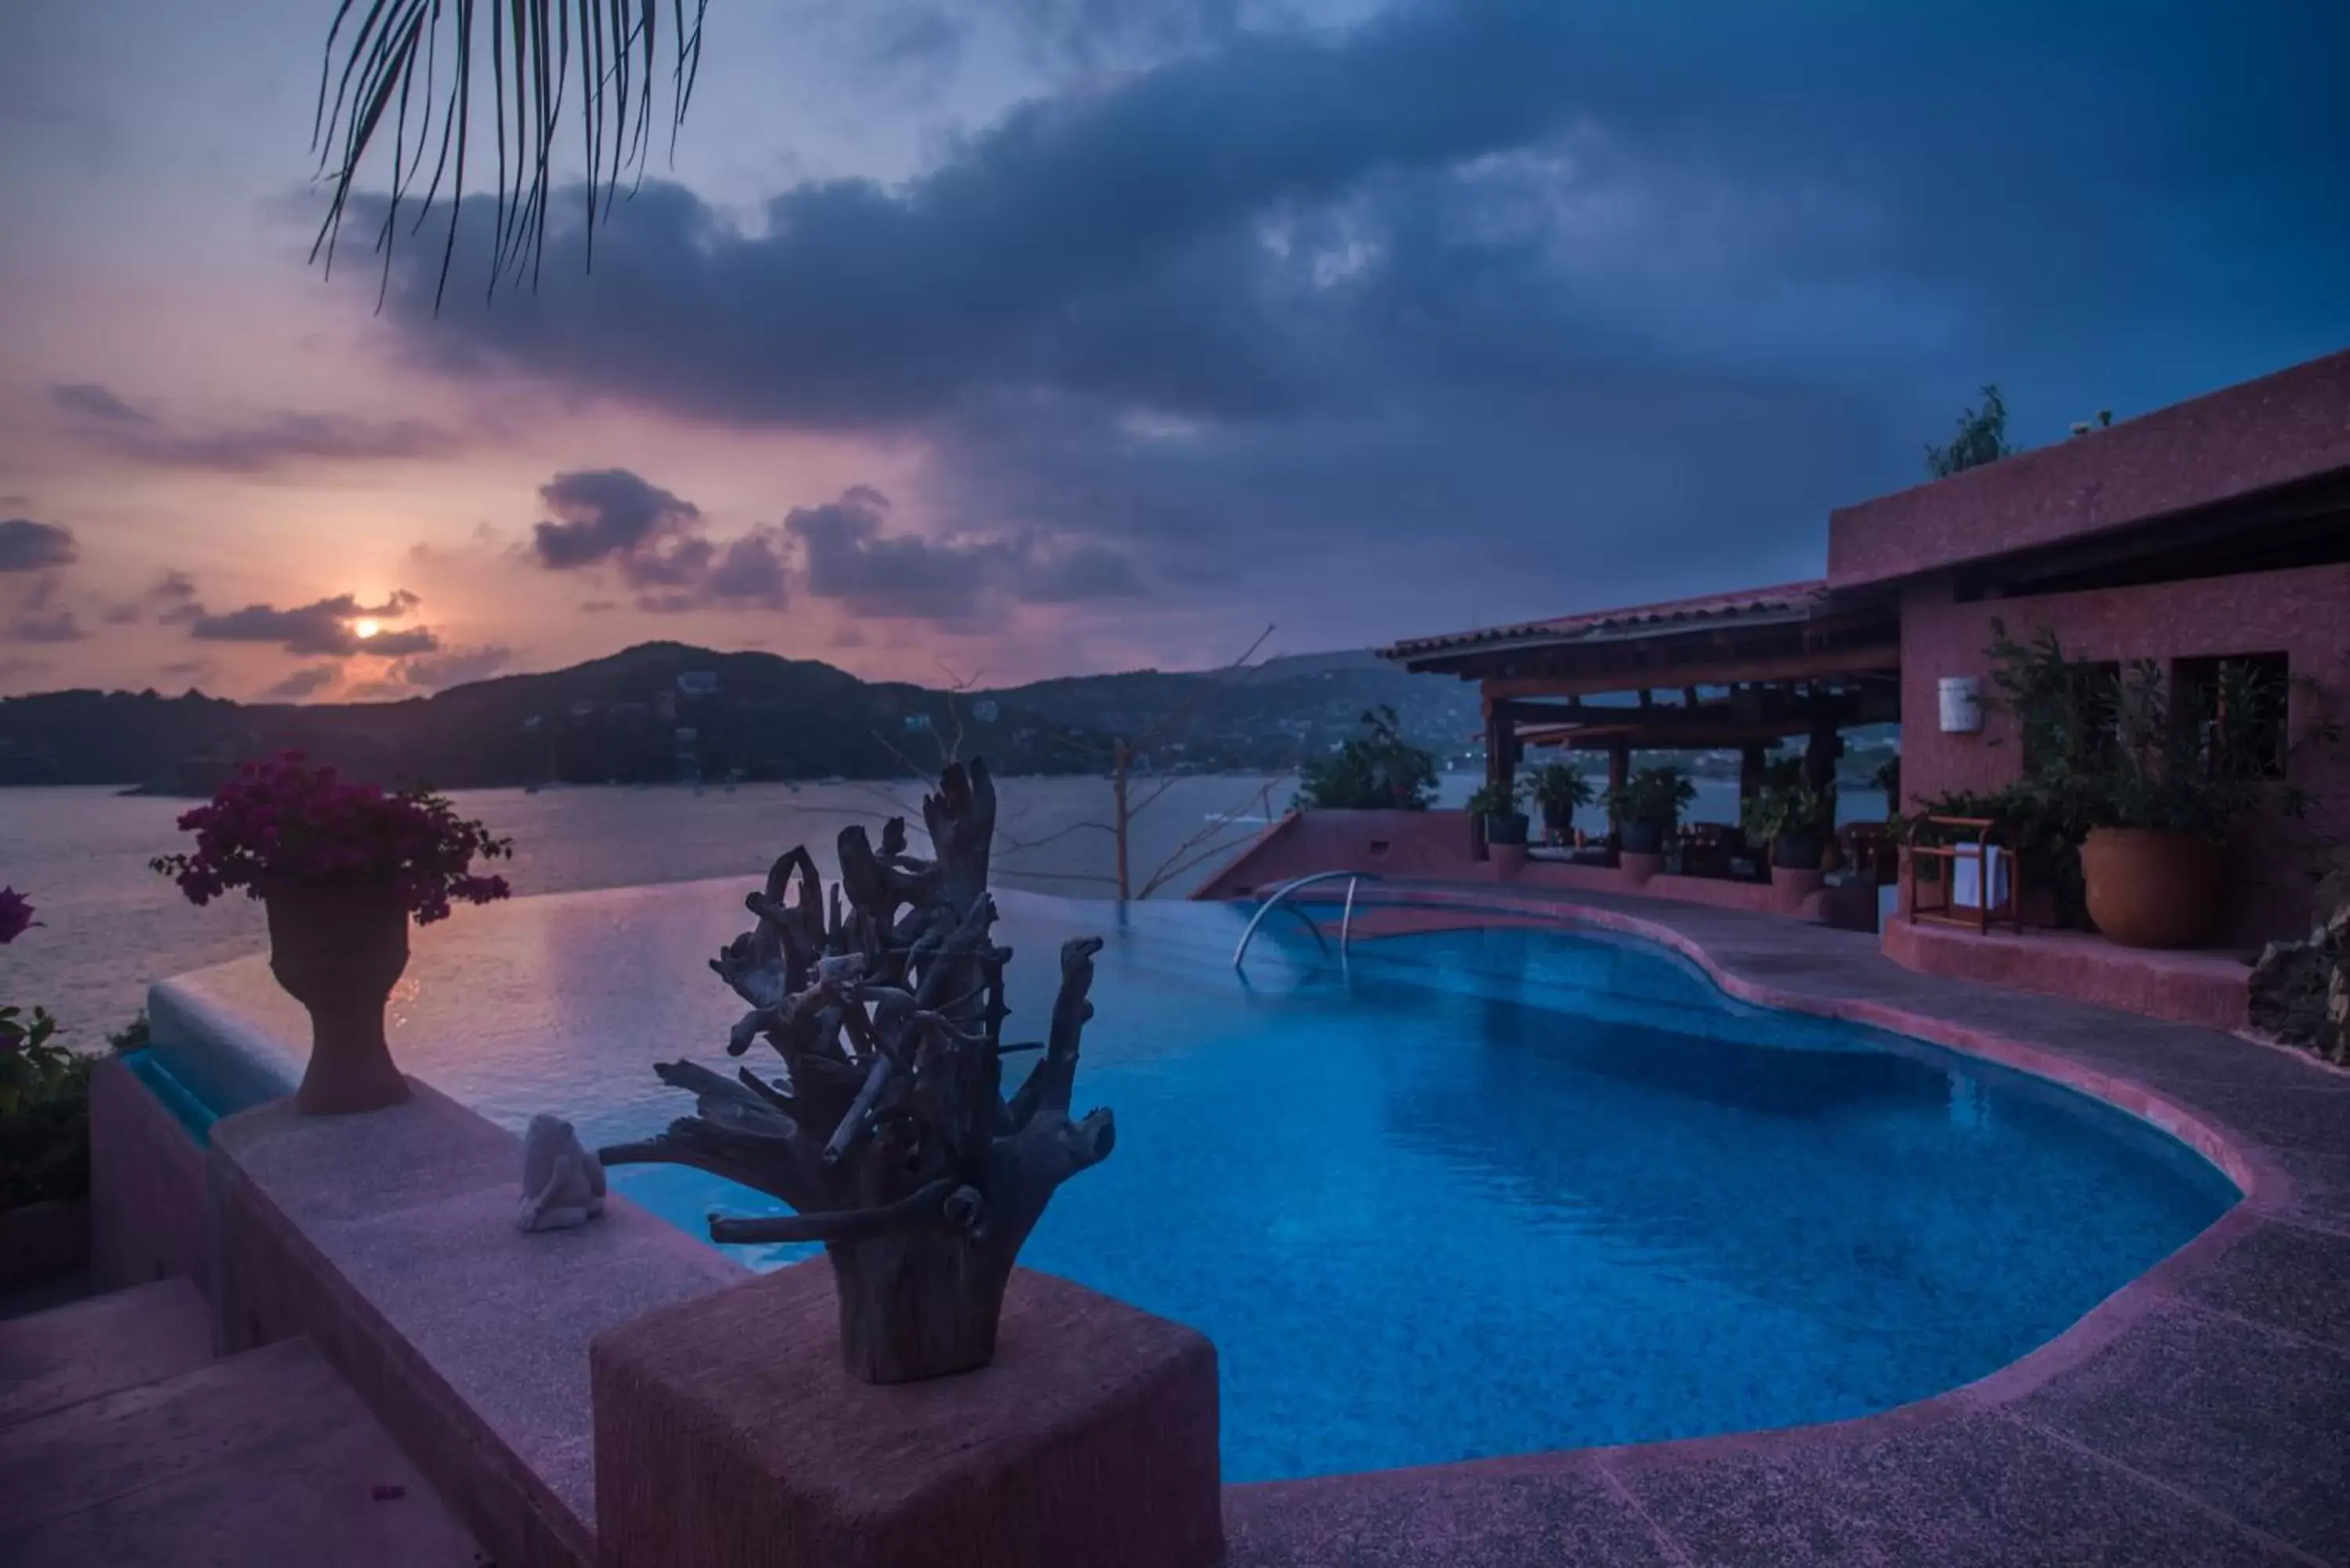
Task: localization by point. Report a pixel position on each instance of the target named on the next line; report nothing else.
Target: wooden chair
(1972, 840)
(1707, 848)
(1871, 850)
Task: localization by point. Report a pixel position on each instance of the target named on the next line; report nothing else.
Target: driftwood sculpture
(887, 1129)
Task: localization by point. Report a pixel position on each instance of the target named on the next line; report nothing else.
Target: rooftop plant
(282, 822)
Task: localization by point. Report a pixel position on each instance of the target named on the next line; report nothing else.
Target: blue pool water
(1472, 1194)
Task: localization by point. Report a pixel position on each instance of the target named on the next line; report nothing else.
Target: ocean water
(110, 925)
(1470, 1194)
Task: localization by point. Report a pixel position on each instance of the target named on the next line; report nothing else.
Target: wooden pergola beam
(1714, 669)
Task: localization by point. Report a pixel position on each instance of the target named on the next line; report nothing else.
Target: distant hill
(663, 711)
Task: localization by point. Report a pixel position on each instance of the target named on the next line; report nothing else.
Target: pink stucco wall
(2303, 614)
(2290, 426)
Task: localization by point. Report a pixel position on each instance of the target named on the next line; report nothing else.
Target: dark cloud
(41, 615)
(96, 401)
(752, 570)
(15, 668)
(323, 627)
(171, 601)
(455, 667)
(610, 516)
(304, 683)
(29, 546)
(271, 442)
(1590, 290)
(654, 540)
(193, 669)
(959, 585)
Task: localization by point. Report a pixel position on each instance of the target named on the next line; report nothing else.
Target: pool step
(124, 1442)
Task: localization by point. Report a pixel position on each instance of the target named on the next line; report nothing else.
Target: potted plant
(341, 867)
(1496, 806)
(1559, 792)
(2149, 786)
(1790, 816)
(1648, 806)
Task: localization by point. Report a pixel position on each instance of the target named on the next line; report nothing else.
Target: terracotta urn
(339, 949)
(2151, 890)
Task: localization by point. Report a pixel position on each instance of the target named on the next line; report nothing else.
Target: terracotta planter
(339, 950)
(1637, 868)
(1642, 838)
(2149, 889)
(1799, 851)
(1791, 885)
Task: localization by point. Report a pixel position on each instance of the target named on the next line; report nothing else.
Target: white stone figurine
(562, 1182)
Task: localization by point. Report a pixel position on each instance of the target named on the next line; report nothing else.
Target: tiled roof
(1787, 601)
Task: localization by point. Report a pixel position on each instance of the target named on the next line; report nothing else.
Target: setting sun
(363, 630)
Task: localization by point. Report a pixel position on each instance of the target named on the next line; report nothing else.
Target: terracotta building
(2213, 530)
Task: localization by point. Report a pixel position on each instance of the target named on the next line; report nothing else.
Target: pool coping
(1872, 1495)
(2002, 1468)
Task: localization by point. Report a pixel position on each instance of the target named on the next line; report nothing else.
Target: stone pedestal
(1509, 859)
(728, 1435)
(1637, 868)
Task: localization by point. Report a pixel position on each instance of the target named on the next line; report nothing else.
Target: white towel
(1966, 880)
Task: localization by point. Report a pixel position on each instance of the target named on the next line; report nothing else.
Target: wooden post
(1122, 757)
(1820, 755)
(1750, 775)
(1619, 774)
(1501, 746)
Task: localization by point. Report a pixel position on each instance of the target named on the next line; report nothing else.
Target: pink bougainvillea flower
(281, 822)
(15, 914)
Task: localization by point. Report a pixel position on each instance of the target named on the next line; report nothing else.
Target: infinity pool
(1471, 1194)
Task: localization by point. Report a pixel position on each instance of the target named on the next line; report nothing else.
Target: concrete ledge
(146, 1186)
(389, 1238)
(728, 1434)
(2210, 990)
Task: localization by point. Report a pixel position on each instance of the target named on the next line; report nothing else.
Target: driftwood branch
(883, 996)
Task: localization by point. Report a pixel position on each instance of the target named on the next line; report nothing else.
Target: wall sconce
(1961, 704)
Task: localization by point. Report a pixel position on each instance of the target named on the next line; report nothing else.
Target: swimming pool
(1472, 1194)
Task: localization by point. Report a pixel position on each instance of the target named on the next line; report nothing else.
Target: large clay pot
(1799, 851)
(339, 949)
(1642, 837)
(2149, 889)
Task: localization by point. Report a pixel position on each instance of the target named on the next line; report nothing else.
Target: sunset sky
(1049, 337)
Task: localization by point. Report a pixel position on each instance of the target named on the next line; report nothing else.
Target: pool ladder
(1346, 922)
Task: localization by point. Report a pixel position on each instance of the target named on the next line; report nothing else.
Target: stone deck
(2200, 1416)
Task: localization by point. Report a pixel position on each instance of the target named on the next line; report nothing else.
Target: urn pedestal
(728, 1433)
(339, 949)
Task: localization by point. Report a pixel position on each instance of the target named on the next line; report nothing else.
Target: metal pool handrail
(1346, 922)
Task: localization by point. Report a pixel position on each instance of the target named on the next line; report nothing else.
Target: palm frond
(384, 58)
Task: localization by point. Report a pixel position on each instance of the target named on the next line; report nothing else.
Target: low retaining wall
(389, 1238)
(1440, 846)
(2212, 990)
(146, 1186)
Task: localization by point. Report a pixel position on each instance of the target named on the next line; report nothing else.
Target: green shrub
(1377, 771)
(1651, 794)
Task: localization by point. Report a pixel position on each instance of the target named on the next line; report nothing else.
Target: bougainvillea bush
(283, 822)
